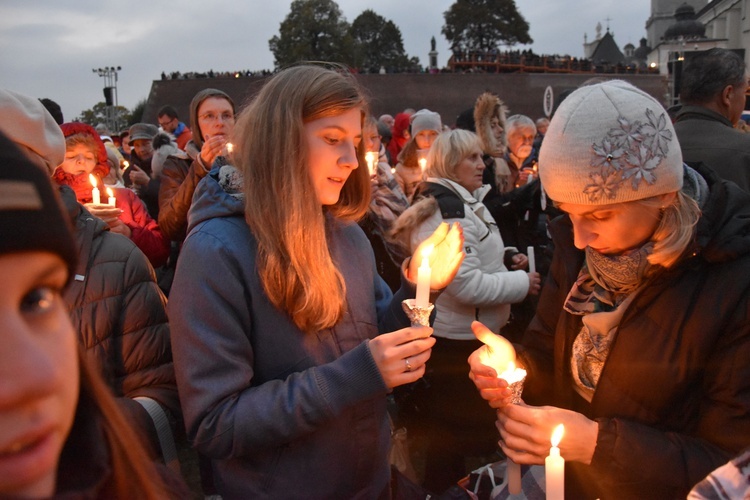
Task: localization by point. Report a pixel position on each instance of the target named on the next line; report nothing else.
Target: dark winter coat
(708, 137)
(673, 400)
(119, 314)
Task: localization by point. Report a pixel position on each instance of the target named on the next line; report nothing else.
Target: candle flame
(110, 193)
(422, 163)
(125, 165)
(93, 180)
(230, 147)
(426, 251)
(557, 435)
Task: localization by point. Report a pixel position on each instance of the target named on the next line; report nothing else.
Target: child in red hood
(85, 154)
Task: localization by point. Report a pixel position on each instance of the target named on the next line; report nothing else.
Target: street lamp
(110, 93)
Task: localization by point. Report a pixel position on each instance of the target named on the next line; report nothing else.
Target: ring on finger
(408, 365)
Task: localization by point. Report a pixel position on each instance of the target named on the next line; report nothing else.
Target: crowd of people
(217, 307)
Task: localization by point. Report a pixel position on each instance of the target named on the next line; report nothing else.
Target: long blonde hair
(281, 208)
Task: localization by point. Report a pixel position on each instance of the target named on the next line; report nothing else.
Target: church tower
(662, 17)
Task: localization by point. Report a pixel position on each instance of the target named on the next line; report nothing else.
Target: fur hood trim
(412, 218)
(488, 106)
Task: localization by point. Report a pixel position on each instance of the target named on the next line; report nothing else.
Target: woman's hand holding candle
(444, 259)
(485, 373)
(525, 433)
(213, 146)
(401, 355)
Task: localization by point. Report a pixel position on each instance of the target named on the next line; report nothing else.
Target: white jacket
(484, 288)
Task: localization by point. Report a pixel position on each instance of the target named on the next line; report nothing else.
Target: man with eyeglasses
(169, 122)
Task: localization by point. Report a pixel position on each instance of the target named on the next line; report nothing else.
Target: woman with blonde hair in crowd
(640, 343)
(456, 420)
(286, 341)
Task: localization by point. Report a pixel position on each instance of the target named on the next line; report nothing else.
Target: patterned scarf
(606, 280)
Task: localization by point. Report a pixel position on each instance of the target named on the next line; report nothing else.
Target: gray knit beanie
(424, 119)
(609, 143)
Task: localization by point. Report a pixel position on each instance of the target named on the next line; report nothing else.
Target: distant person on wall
(169, 122)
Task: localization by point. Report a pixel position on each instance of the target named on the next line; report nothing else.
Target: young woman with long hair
(286, 340)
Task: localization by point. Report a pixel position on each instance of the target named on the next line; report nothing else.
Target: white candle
(111, 197)
(96, 200)
(424, 274)
(532, 259)
(371, 158)
(554, 467)
(422, 164)
(514, 476)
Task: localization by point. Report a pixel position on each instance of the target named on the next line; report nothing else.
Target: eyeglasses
(213, 117)
(164, 124)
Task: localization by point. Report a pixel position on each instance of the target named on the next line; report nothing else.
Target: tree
(378, 43)
(314, 30)
(482, 25)
(98, 115)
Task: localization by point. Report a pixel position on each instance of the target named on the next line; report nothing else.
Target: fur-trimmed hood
(488, 106)
(413, 217)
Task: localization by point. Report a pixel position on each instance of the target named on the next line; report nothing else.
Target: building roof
(607, 51)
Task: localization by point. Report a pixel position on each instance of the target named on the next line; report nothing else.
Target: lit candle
(422, 164)
(424, 274)
(230, 148)
(532, 259)
(554, 467)
(125, 165)
(498, 352)
(371, 158)
(393, 170)
(111, 197)
(94, 192)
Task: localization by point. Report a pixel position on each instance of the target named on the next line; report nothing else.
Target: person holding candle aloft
(457, 421)
(641, 337)
(387, 202)
(286, 341)
(85, 156)
(425, 125)
(212, 121)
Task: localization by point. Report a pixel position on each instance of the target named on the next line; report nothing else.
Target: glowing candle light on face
(111, 197)
(424, 274)
(554, 467)
(94, 192)
(371, 158)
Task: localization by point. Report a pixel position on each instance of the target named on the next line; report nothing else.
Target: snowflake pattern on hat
(631, 152)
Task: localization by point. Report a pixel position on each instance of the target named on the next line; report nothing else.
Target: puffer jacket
(673, 399)
(484, 288)
(119, 313)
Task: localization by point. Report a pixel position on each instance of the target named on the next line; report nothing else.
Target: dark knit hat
(31, 213)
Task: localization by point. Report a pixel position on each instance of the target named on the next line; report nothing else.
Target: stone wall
(447, 93)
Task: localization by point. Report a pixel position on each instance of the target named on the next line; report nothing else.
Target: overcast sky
(49, 47)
